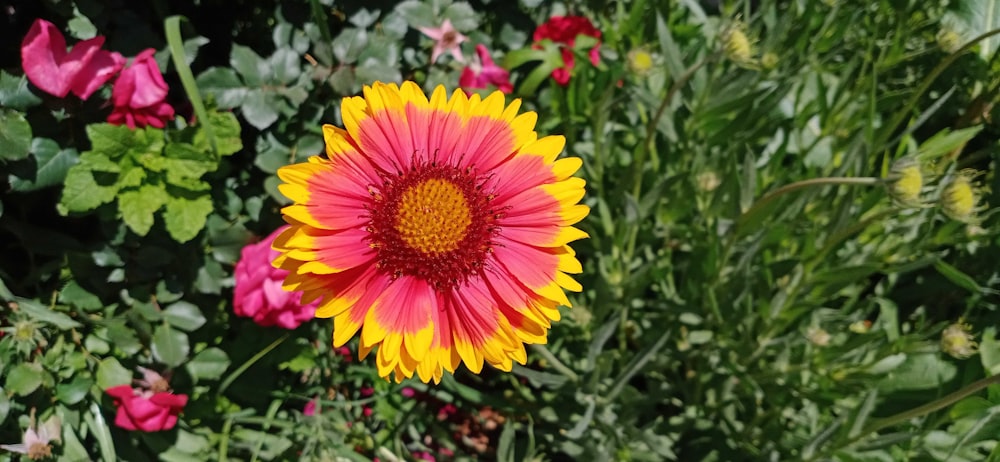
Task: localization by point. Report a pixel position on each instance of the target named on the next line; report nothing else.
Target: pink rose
(139, 94)
(483, 72)
(52, 69)
(145, 410)
(258, 293)
(564, 30)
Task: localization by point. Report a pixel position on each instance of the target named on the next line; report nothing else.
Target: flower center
(433, 216)
(433, 222)
(39, 450)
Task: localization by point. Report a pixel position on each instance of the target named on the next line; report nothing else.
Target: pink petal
(42, 52)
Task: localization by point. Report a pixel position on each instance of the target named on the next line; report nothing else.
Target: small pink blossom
(139, 95)
(151, 407)
(367, 411)
(446, 39)
(259, 294)
(483, 72)
(310, 407)
(57, 72)
(408, 392)
(35, 441)
(423, 455)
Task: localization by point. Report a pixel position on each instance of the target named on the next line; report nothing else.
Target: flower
(35, 441)
(258, 293)
(437, 227)
(958, 198)
(149, 408)
(52, 69)
(483, 72)
(139, 94)
(906, 181)
(640, 61)
(737, 46)
(564, 30)
(310, 407)
(446, 39)
(957, 341)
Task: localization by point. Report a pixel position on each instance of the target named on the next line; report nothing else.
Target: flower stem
(771, 196)
(555, 362)
(250, 362)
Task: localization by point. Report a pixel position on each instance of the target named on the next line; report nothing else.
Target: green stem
(224, 439)
(771, 196)
(175, 43)
(928, 408)
(640, 158)
(555, 362)
(250, 362)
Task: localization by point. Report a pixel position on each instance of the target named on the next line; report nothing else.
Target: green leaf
(170, 346)
(15, 135)
(224, 85)
(184, 162)
(42, 313)
(462, 16)
(82, 193)
(249, 65)
(989, 350)
(919, 372)
(226, 129)
(945, 142)
(957, 277)
(349, 44)
(14, 92)
(115, 141)
(417, 13)
(100, 431)
(137, 207)
(286, 64)
(51, 165)
(185, 218)
(24, 378)
(73, 294)
(184, 316)
(259, 108)
(208, 364)
(110, 373)
(74, 392)
(978, 17)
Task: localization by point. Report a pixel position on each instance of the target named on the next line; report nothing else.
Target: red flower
(258, 293)
(483, 72)
(139, 94)
(52, 69)
(563, 30)
(145, 410)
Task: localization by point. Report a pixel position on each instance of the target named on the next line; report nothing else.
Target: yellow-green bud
(949, 40)
(957, 341)
(737, 46)
(959, 198)
(769, 60)
(640, 61)
(906, 181)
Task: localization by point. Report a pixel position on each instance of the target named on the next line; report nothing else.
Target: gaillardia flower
(437, 227)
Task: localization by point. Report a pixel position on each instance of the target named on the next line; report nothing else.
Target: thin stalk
(791, 187)
(250, 362)
(555, 362)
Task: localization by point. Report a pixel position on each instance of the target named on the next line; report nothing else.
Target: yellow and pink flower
(437, 227)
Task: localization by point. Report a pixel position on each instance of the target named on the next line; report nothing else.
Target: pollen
(434, 222)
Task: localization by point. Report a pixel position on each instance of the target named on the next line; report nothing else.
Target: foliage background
(699, 335)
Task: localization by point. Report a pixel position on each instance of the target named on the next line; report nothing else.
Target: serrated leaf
(208, 364)
(184, 161)
(74, 392)
(15, 135)
(462, 16)
(184, 316)
(115, 141)
(170, 346)
(286, 65)
(137, 207)
(14, 92)
(226, 129)
(348, 44)
(185, 217)
(51, 165)
(223, 84)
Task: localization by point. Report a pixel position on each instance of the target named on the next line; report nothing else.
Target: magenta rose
(258, 293)
(56, 71)
(139, 95)
(483, 72)
(146, 410)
